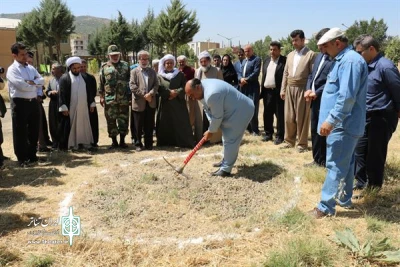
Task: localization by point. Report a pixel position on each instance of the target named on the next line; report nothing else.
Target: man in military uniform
(115, 95)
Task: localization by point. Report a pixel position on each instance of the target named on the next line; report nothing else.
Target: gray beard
(205, 69)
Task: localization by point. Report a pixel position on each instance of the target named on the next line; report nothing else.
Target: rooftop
(9, 23)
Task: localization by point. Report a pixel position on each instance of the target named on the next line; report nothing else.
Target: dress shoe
(267, 138)
(278, 141)
(123, 144)
(114, 145)
(44, 149)
(317, 214)
(221, 173)
(218, 164)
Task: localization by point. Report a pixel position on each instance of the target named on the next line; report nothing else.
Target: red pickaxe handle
(197, 147)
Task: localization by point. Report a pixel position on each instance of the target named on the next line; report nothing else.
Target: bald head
(194, 89)
(248, 51)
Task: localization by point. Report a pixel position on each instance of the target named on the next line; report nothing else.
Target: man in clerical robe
(76, 101)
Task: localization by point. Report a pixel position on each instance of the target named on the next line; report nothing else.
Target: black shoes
(221, 173)
(267, 138)
(122, 143)
(278, 141)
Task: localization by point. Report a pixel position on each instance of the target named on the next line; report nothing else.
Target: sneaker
(267, 138)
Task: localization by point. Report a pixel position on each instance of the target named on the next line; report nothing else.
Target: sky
(244, 21)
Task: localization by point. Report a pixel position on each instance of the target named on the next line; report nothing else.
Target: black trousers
(371, 149)
(255, 97)
(273, 105)
(25, 125)
(144, 123)
(133, 127)
(1, 142)
(318, 142)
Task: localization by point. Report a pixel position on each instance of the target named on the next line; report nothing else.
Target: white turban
(73, 60)
(161, 68)
(204, 54)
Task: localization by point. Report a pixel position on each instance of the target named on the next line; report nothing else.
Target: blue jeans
(338, 185)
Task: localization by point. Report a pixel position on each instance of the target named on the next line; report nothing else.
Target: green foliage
(261, 48)
(174, 26)
(295, 219)
(374, 225)
(287, 45)
(312, 44)
(392, 49)
(120, 33)
(372, 251)
(93, 66)
(57, 22)
(302, 252)
(40, 261)
(375, 28)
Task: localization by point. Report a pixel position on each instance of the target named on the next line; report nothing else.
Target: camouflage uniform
(114, 86)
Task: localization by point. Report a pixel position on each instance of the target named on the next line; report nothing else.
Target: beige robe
(212, 73)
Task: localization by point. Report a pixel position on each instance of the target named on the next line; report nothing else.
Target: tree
(120, 34)
(261, 48)
(138, 40)
(286, 45)
(312, 44)
(176, 26)
(145, 26)
(57, 22)
(392, 50)
(156, 39)
(189, 53)
(29, 31)
(376, 29)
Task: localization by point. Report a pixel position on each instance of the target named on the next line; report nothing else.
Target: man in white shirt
(23, 83)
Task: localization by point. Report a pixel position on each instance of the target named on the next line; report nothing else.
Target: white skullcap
(155, 62)
(73, 60)
(161, 67)
(204, 54)
(330, 35)
(181, 57)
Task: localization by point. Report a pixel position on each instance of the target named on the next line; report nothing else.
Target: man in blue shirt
(226, 109)
(341, 119)
(383, 110)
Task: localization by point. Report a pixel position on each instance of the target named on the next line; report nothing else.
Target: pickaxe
(180, 169)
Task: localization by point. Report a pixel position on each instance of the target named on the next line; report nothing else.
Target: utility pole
(229, 39)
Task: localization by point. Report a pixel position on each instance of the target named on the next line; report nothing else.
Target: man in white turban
(76, 100)
(207, 71)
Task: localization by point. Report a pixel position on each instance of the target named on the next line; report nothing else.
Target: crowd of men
(350, 96)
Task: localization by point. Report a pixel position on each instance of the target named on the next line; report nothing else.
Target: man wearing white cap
(76, 100)
(206, 71)
(341, 119)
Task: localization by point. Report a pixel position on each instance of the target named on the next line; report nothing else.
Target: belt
(269, 88)
(25, 99)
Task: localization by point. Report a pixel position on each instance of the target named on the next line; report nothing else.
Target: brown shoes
(317, 214)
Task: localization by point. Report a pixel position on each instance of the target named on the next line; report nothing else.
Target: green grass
(302, 252)
(295, 219)
(39, 261)
(149, 178)
(314, 174)
(375, 225)
(7, 257)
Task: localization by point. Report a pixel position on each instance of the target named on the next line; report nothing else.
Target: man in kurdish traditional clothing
(76, 100)
(227, 109)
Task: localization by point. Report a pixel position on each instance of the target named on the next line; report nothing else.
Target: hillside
(83, 24)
